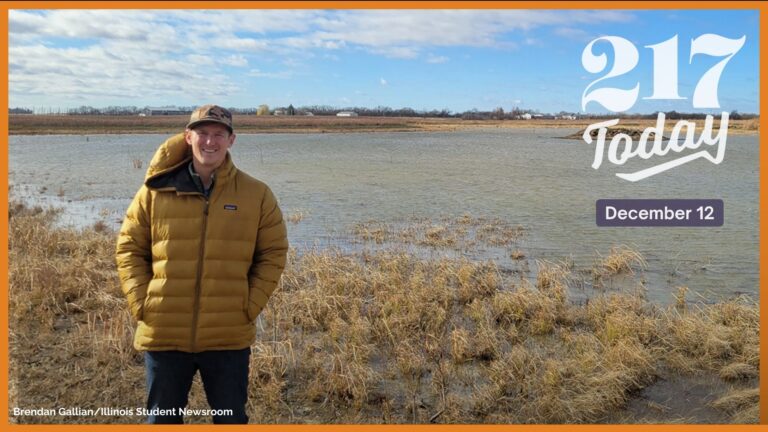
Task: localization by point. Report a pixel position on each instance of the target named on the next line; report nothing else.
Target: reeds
(383, 337)
(743, 405)
(296, 216)
(751, 124)
(622, 260)
(462, 233)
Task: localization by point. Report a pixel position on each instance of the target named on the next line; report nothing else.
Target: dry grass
(459, 233)
(622, 260)
(738, 371)
(372, 231)
(742, 405)
(679, 295)
(78, 349)
(748, 125)
(722, 337)
(100, 226)
(20, 124)
(387, 337)
(296, 216)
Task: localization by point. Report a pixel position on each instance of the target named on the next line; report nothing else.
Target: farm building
(165, 111)
(346, 114)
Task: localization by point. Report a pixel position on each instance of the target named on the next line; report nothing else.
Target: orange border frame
(763, 203)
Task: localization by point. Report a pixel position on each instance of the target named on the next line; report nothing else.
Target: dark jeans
(225, 379)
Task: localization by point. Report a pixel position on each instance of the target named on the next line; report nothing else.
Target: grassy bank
(388, 337)
(85, 125)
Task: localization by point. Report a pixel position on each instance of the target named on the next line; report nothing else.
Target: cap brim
(191, 125)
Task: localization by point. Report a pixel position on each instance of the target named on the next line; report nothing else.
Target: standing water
(527, 177)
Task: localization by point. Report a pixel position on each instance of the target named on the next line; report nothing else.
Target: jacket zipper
(198, 280)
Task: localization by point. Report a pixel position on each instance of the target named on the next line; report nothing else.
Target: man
(200, 251)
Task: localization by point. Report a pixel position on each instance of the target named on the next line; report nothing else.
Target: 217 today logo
(665, 87)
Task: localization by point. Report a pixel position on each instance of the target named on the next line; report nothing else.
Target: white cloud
(247, 20)
(404, 33)
(437, 59)
(93, 72)
(232, 43)
(382, 81)
(83, 24)
(236, 60)
(575, 34)
(200, 60)
(277, 75)
(129, 54)
(292, 62)
(399, 52)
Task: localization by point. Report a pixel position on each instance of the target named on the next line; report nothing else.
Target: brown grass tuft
(621, 259)
(296, 216)
(741, 404)
(738, 371)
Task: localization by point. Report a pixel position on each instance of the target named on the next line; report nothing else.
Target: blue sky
(423, 59)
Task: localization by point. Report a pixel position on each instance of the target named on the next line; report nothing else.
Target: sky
(423, 59)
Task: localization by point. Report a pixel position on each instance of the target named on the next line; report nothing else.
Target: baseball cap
(211, 113)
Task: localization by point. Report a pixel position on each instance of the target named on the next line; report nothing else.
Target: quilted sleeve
(134, 252)
(269, 255)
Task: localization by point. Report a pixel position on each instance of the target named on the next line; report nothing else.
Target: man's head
(210, 134)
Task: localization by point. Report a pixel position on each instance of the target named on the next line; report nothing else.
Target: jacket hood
(170, 155)
(175, 152)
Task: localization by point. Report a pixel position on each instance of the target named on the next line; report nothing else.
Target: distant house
(279, 112)
(346, 114)
(165, 111)
(525, 116)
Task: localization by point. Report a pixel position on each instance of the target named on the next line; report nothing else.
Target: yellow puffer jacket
(198, 272)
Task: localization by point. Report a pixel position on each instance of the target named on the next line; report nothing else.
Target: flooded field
(532, 178)
(434, 278)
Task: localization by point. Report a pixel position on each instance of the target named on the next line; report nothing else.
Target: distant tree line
(379, 111)
(20, 111)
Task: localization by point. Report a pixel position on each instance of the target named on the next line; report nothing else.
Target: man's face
(210, 143)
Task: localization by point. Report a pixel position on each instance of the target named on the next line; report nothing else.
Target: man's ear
(232, 139)
(188, 136)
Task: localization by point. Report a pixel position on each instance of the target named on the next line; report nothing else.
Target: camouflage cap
(211, 113)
